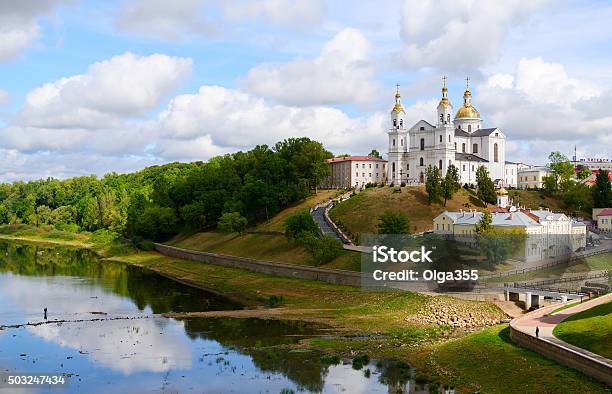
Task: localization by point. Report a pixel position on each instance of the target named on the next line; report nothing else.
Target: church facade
(457, 139)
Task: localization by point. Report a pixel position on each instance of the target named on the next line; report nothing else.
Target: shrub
(300, 223)
(393, 223)
(360, 361)
(70, 227)
(63, 235)
(232, 222)
(274, 301)
(403, 184)
(322, 250)
(330, 360)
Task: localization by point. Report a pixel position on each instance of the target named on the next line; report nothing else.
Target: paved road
(319, 216)
(547, 324)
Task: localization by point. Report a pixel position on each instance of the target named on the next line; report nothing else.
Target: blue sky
(98, 86)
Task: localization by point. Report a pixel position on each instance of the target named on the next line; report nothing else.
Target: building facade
(532, 177)
(355, 171)
(548, 234)
(457, 139)
(604, 220)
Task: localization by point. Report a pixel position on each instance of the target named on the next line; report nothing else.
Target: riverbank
(377, 324)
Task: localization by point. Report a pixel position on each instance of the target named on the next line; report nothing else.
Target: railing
(567, 279)
(547, 289)
(547, 265)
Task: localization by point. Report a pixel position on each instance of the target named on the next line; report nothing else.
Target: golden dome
(467, 111)
(444, 101)
(398, 108)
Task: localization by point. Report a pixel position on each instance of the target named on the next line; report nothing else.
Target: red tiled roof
(531, 215)
(355, 158)
(605, 212)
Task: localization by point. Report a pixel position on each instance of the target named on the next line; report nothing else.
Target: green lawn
(590, 330)
(488, 362)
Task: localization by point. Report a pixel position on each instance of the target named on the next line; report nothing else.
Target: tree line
(158, 202)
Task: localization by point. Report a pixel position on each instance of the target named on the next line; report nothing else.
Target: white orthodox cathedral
(459, 140)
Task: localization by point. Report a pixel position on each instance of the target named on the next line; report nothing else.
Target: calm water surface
(113, 340)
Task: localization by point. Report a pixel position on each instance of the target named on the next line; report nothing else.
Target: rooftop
(355, 158)
(605, 212)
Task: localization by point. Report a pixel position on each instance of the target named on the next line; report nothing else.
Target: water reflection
(124, 346)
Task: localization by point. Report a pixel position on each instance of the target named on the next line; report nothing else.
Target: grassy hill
(359, 214)
(266, 241)
(534, 199)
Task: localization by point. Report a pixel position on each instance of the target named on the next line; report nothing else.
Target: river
(104, 333)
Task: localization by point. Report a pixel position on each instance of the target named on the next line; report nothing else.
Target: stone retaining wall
(340, 277)
(591, 366)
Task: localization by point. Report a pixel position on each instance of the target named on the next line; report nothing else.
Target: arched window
(495, 153)
(469, 128)
(440, 137)
(393, 167)
(394, 142)
(440, 164)
(448, 118)
(422, 143)
(441, 118)
(401, 122)
(475, 148)
(463, 147)
(394, 122)
(421, 162)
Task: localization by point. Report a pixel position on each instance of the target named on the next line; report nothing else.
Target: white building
(458, 139)
(532, 177)
(604, 219)
(355, 171)
(549, 234)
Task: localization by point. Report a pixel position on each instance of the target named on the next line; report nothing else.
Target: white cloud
(342, 73)
(541, 109)
(237, 119)
(173, 20)
(458, 34)
(121, 86)
(19, 24)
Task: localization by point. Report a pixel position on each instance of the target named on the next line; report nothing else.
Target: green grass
(359, 214)
(600, 261)
(590, 330)
(487, 361)
(266, 241)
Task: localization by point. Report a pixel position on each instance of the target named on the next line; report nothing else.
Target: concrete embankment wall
(592, 366)
(340, 277)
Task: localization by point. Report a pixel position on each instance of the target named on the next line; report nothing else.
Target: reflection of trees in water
(394, 374)
(144, 287)
(251, 336)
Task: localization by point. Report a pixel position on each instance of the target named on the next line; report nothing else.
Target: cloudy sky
(98, 86)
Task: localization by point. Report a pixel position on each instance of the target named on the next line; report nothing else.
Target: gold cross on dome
(444, 81)
(467, 82)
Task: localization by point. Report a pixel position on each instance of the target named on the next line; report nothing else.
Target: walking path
(318, 214)
(552, 346)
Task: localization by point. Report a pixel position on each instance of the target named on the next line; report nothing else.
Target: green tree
(486, 188)
(549, 185)
(583, 172)
(450, 184)
(375, 153)
(322, 250)
(602, 194)
(484, 225)
(561, 167)
(393, 223)
(232, 222)
(300, 223)
(433, 185)
(578, 197)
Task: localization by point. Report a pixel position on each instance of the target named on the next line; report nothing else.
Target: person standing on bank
(537, 332)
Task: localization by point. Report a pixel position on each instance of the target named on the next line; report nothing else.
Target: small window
(469, 128)
(408, 167)
(440, 164)
(421, 162)
(463, 147)
(475, 148)
(455, 146)
(449, 138)
(394, 122)
(394, 142)
(464, 167)
(495, 153)
(422, 143)
(440, 138)
(422, 128)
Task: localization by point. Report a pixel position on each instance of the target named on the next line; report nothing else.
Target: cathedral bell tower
(398, 142)
(445, 108)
